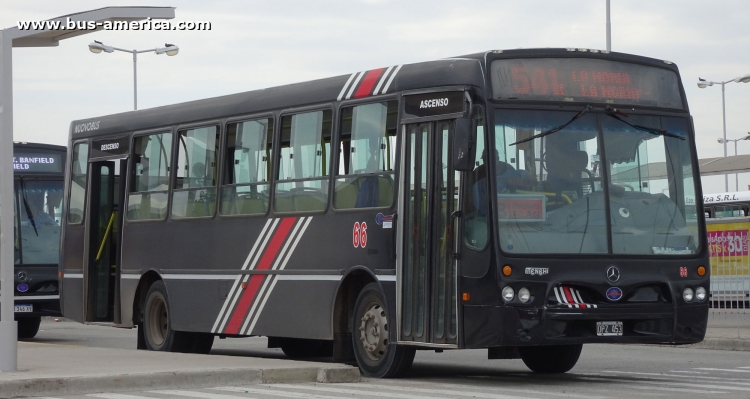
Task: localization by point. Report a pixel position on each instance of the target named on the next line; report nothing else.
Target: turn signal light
(507, 270)
(244, 285)
(465, 296)
(701, 271)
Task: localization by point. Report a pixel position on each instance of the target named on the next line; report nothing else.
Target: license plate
(608, 328)
(23, 308)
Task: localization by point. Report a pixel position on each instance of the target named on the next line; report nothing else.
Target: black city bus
(498, 200)
(38, 172)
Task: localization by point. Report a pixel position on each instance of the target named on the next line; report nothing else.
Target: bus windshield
(38, 212)
(552, 191)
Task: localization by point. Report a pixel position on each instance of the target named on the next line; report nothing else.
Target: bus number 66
(360, 235)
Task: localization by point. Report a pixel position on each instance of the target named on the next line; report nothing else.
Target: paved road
(604, 371)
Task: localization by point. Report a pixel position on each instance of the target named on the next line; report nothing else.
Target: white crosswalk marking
(334, 388)
(692, 377)
(196, 394)
(673, 389)
(729, 370)
(275, 392)
(664, 382)
(467, 388)
(451, 393)
(117, 396)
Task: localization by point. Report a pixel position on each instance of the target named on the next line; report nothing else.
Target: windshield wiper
(29, 214)
(555, 129)
(613, 112)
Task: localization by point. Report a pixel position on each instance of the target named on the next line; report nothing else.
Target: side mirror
(464, 150)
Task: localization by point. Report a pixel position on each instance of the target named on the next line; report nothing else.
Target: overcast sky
(258, 44)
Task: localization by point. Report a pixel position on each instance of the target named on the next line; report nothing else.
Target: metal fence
(730, 264)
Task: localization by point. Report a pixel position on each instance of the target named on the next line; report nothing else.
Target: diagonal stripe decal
(296, 239)
(368, 83)
(270, 251)
(248, 294)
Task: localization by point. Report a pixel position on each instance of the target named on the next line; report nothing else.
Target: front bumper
(517, 326)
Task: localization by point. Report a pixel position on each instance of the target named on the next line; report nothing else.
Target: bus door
(104, 235)
(430, 188)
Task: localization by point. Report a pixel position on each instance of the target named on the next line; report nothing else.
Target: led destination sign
(585, 80)
(37, 162)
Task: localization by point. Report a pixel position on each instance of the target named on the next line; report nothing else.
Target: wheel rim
(158, 320)
(373, 331)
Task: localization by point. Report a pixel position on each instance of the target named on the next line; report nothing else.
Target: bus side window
(367, 144)
(196, 173)
(78, 182)
(304, 162)
(147, 199)
(247, 168)
(476, 226)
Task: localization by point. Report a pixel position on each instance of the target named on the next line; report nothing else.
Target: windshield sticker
(521, 208)
(384, 220)
(672, 250)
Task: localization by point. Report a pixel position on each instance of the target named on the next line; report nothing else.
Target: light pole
(724, 141)
(35, 37)
(168, 49)
(703, 83)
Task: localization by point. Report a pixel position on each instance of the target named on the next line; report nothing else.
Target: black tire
(296, 348)
(28, 327)
(550, 359)
(377, 355)
(157, 323)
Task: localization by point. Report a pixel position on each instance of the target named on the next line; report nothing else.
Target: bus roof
(466, 70)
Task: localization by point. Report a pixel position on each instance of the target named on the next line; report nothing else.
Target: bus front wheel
(157, 326)
(28, 327)
(377, 355)
(550, 359)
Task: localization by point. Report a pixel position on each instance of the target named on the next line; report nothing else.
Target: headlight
(700, 293)
(508, 294)
(687, 295)
(524, 295)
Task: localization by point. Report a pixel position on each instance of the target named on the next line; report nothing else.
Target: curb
(721, 344)
(169, 380)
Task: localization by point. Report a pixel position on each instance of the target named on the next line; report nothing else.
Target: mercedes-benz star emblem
(22, 276)
(613, 274)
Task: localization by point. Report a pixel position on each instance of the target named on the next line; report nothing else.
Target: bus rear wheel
(28, 327)
(377, 355)
(550, 359)
(157, 325)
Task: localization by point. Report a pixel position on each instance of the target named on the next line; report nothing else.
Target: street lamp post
(168, 49)
(702, 84)
(736, 175)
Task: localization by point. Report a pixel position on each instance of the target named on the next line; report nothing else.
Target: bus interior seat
(346, 193)
(250, 204)
(565, 170)
(308, 199)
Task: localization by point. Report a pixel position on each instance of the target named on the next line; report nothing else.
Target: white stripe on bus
(72, 275)
(354, 85)
(309, 277)
(390, 80)
(237, 293)
(267, 281)
(283, 265)
(36, 297)
(343, 90)
(382, 79)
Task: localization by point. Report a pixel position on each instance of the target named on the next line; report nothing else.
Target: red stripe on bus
(566, 290)
(368, 83)
(243, 305)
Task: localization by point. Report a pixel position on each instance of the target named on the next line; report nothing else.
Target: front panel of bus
(38, 192)
(592, 175)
